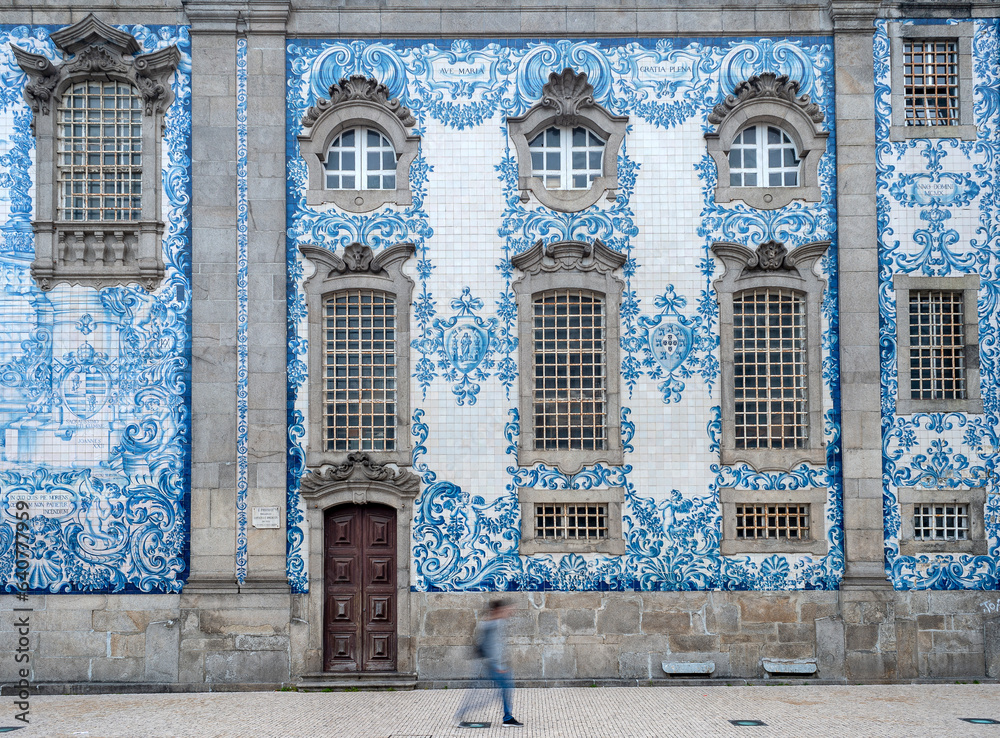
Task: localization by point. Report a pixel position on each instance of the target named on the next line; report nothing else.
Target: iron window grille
(360, 371)
(772, 521)
(940, 522)
(361, 159)
(937, 345)
(930, 79)
(99, 159)
(573, 522)
(763, 156)
(769, 369)
(567, 159)
(569, 375)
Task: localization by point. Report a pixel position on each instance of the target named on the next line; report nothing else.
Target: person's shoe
(512, 723)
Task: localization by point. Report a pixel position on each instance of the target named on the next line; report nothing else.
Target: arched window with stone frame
(567, 145)
(358, 147)
(767, 144)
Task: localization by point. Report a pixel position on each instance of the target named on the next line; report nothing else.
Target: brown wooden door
(360, 613)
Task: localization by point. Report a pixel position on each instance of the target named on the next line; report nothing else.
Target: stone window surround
(613, 497)
(774, 100)
(975, 498)
(815, 497)
(567, 101)
(360, 481)
(86, 252)
(960, 32)
(358, 268)
(969, 286)
(357, 102)
(772, 266)
(568, 265)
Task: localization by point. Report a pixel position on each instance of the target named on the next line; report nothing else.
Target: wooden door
(360, 613)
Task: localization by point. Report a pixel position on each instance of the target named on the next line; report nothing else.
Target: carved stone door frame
(360, 481)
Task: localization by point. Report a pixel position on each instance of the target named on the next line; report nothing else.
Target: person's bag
(480, 644)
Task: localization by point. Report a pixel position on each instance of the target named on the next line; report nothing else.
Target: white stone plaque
(266, 517)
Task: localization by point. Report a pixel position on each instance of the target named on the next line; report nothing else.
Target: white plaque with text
(266, 517)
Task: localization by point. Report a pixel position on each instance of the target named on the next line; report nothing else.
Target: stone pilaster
(859, 312)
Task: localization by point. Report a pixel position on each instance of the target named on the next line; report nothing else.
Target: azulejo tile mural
(938, 217)
(468, 218)
(94, 384)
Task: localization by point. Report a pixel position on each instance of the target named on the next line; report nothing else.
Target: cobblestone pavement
(654, 712)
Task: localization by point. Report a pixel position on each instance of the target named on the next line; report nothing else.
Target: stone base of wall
(854, 636)
(232, 641)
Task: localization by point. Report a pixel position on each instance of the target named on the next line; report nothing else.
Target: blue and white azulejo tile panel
(467, 220)
(938, 217)
(94, 384)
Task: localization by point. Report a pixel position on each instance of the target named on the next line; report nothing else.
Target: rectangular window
(571, 522)
(769, 369)
(937, 345)
(934, 522)
(360, 371)
(99, 157)
(930, 79)
(772, 521)
(569, 393)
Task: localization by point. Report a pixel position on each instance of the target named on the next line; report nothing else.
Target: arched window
(567, 145)
(361, 159)
(567, 158)
(99, 161)
(763, 155)
(767, 144)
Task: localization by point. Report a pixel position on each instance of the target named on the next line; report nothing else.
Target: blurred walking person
(490, 647)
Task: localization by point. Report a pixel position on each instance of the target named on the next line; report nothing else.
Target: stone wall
(613, 636)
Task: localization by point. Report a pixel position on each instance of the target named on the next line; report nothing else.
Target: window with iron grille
(573, 522)
(569, 370)
(360, 371)
(769, 369)
(766, 521)
(931, 81)
(99, 157)
(940, 522)
(937, 345)
(930, 78)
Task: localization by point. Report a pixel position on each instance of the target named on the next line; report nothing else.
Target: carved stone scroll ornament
(356, 259)
(567, 93)
(577, 256)
(358, 468)
(769, 257)
(759, 89)
(358, 88)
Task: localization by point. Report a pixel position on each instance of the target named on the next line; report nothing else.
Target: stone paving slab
(898, 711)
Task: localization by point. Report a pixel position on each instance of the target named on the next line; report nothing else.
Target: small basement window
(765, 521)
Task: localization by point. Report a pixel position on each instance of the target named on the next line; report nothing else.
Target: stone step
(360, 680)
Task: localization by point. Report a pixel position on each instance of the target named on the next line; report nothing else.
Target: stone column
(213, 278)
(859, 312)
(266, 282)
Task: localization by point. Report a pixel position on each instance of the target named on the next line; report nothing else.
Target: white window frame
(361, 149)
(566, 149)
(763, 149)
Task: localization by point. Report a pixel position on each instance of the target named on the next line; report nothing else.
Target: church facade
(321, 328)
